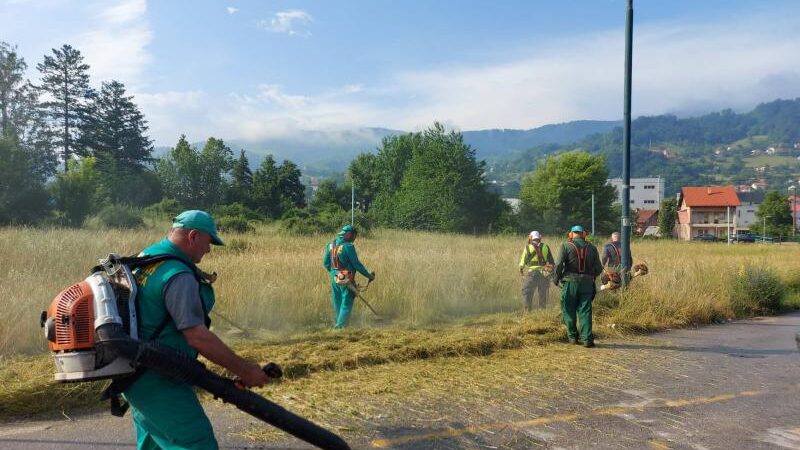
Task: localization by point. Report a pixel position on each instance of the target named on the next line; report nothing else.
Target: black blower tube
(180, 366)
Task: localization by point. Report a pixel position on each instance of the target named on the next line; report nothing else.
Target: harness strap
(581, 253)
(335, 256)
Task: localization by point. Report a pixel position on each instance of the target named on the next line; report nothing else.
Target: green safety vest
(529, 258)
(151, 281)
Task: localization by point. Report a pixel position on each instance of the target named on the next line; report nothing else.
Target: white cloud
(681, 68)
(173, 113)
(115, 46)
(677, 68)
(291, 21)
(232, 10)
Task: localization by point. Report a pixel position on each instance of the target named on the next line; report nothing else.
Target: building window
(649, 186)
(631, 202)
(650, 202)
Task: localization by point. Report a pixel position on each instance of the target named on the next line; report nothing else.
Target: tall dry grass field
(276, 282)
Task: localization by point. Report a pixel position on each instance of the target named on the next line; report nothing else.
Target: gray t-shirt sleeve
(183, 302)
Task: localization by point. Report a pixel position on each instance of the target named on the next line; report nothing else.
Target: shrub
(165, 209)
(328, 220)
(755, 290)
(236, 246)
(302, 223)
(115, 216)
(236, 224)
(237, 209)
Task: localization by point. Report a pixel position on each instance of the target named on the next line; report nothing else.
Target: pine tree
(65, 80)
(241, 181)
(115, 128)
(266, 188)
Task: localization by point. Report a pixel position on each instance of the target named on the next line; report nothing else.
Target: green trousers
(342, 298)
(576, 303)
(168, 416)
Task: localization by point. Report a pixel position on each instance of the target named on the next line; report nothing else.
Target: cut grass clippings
(26, 386)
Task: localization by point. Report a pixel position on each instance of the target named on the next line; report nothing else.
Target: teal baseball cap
(195, 219)
(347, 229)
(576, 229)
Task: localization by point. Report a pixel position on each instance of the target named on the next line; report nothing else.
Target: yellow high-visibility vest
(528, 259)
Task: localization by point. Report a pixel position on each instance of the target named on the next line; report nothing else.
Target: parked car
(759, 238)
(705, 237)
(742, 237)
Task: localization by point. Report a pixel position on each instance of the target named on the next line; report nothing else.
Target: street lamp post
(792, 189)
(764, 230)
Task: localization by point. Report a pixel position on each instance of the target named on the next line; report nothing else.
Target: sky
(251, 70)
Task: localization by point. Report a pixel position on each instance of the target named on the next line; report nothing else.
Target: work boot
(573, 341)
(588, 344)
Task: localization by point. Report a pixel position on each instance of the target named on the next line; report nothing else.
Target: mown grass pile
(445, 295)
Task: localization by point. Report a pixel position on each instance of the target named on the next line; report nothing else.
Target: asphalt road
(732, 386)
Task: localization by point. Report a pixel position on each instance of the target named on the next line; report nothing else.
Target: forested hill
(328, 152)
(489, 143)
(721, 147)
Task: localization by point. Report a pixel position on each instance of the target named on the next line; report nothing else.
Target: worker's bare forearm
(212, 348)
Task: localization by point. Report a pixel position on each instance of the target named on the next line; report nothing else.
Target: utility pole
(352, 201)
(626, 144)
(793, 190)
(593, 234)
(728, 227)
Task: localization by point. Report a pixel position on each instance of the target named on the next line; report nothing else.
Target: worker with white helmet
(536, 261)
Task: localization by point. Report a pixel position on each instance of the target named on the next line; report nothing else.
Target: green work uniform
(166, 413)
(577, 276)
(342, 295)
(531, 265)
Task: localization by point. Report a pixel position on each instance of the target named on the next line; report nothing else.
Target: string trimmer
(357, 290)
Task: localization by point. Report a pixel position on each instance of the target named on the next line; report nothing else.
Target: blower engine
(107, 297)
(92, 331)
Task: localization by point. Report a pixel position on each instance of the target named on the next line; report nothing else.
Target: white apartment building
(645, 193)
(746, 212)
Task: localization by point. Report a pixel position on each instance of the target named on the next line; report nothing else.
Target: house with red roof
(645, 218)
(706, 210)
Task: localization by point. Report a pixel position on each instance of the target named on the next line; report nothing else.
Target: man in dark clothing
(577, 267)
(612, 258)
(612, 253)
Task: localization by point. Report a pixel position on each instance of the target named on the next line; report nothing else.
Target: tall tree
(559, 193)
(667, 216)
(179, 172)
(115, 128)
(442, 187)
(12, 86)
(241, 181)
(292, 190)
(114, 133)
(775, 214)
(216, 160)
(364, 172)
(65, 80)
(21, 118)
(266, 188)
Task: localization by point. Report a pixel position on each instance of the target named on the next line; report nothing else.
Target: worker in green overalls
(577, 267)
(341, 261)
(174, 301)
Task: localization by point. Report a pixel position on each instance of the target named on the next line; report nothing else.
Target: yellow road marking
(556, 418)
(657, 444)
